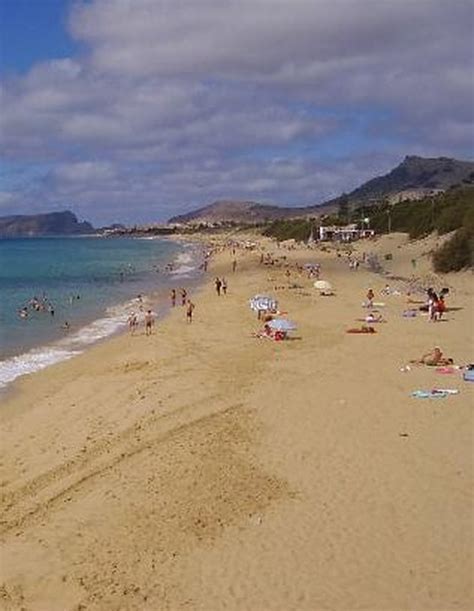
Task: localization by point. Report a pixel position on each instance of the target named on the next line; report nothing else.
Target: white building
(347, 233)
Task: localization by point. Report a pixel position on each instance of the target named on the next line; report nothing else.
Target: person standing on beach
(149, 322)
(173, 297)
(218, 284)
(224, 286)
(189, 311)
(234, 265)
(370, 298)
(132, 323)
(183, 297)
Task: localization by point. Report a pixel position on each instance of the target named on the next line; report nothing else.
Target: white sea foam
(183, 265)
(32, 361)
(184, 257)
(183, 270)
(64, 349)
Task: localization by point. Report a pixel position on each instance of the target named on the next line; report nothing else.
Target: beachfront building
(346, 233)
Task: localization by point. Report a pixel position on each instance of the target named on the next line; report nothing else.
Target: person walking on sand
(218, 284)
(370, 298)
(183, 297)
(234, 265)
(189, 311)
(173, 297)
(224, 286)
(132, 323)
(149, 322)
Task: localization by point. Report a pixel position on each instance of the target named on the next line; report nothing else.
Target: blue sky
(32, 31)
(136, 111)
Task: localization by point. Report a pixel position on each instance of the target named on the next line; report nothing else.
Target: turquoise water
(92, 283)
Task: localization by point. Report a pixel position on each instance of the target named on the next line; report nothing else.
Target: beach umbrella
(322, 285)
(281, 324)
(263, 303)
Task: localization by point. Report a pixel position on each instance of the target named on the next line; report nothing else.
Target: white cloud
(173, 103)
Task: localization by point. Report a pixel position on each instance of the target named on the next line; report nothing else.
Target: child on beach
(183, 297)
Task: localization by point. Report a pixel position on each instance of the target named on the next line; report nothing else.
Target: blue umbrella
(281, 324)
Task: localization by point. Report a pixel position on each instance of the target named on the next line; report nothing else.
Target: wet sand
(203, 468)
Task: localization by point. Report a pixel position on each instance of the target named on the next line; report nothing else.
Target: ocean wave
(64, 349)
(184, 257)
(32, 361)
(183, 270)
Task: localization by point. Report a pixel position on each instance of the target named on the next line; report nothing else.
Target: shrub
(297, 229)
(457, 253)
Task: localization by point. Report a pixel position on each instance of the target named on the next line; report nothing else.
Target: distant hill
(414, 178)
(238, 211)
(417, 174)
(53, 223)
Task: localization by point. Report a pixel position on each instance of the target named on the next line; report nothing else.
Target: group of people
(221, 285)
(36, 305)
(185, 302)
(183, 294)
(44, 305)
(435, 304)
(148, 321)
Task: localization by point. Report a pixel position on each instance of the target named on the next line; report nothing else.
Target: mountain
(237, 211)
(53, 223)
(414, 178)
(417, 174)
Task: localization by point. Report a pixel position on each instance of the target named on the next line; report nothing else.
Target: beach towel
(435, 393)
(445, 370)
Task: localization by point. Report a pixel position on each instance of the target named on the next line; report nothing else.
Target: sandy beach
(204, 468)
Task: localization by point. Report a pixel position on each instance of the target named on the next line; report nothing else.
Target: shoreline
(263, 475)
(95, 330)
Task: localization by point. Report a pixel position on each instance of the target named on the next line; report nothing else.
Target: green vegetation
(442, 213)
(344, 211)
(297, 229)
(457, 253)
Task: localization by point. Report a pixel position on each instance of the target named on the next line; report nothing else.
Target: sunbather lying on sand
(373, 317)
(433, 358)
(362, 329)
(266, 332)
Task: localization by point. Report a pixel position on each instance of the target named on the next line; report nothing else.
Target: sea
(76, 291)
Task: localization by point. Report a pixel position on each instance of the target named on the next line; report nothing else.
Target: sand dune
(203, 468)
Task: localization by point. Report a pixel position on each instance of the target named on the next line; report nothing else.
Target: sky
(136, 110)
